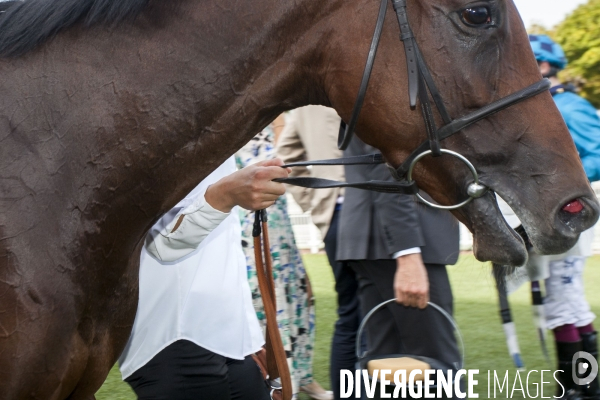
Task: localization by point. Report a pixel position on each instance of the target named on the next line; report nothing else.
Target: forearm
(251, 188)
(185, 233)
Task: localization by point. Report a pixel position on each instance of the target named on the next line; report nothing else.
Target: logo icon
(588, 367)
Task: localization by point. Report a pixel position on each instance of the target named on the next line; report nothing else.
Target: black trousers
(185, 371)
(397, 329)
(348, 310)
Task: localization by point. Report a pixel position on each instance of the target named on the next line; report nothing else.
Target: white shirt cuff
(412, 250)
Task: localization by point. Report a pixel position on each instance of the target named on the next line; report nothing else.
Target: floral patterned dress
(295, 310)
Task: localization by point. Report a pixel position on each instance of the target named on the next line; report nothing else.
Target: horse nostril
(573, 206)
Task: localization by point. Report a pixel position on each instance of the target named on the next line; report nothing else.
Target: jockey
(567, 312)
(580, 116)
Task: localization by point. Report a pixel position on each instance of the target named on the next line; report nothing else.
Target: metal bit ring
(475, 189)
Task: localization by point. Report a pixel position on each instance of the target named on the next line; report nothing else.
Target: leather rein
(420, 82)
(278, 373)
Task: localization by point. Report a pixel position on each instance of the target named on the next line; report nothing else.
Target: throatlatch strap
(344, 139)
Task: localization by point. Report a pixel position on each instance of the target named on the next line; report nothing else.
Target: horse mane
(28, 23)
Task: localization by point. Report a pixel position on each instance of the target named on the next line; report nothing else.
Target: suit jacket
(376, 225)
(310, 133)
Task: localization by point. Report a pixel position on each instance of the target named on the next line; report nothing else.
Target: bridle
(420, 82)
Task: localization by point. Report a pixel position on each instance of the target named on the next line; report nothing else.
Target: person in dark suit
(399, 248)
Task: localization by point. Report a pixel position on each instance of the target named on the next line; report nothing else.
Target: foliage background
(579, 35)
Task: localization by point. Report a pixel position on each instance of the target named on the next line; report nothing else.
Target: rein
(420, 82)
(277, 366)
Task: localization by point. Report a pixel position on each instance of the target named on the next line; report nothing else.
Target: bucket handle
(435, 306)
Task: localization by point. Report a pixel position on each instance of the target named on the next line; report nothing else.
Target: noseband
(419, 82)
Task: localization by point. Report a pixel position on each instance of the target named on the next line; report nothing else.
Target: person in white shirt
(195, 326)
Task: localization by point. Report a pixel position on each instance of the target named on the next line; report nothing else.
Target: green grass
(476, 314)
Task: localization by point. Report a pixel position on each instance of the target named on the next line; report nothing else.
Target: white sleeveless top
(203, 297)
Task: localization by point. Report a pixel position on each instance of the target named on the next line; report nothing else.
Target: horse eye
(477, 16)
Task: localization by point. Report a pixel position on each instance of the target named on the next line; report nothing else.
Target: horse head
(477, 53)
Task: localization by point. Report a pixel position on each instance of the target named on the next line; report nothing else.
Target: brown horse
(112, 110)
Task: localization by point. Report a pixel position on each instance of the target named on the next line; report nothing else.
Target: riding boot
(565, 352)
(590, 345)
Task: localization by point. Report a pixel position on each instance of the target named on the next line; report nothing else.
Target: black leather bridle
(419, 82)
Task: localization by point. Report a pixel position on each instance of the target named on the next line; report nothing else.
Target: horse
(111, 111)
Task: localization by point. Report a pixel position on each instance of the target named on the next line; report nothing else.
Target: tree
(537, 29)
(579, 35)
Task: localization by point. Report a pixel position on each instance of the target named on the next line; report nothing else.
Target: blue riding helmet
(545, 49)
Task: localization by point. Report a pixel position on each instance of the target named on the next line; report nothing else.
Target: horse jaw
(493, 239)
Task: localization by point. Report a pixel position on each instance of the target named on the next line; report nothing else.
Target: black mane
(26, 24)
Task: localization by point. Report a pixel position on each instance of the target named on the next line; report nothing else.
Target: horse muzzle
(570, 219)
(551, 232)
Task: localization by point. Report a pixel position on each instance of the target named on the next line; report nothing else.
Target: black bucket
(440, 372)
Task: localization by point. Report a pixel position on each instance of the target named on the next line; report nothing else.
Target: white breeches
(565, 301)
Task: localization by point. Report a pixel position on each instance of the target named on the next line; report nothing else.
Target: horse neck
(198, 89)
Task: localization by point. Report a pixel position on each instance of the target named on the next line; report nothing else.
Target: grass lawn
(476, 314)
